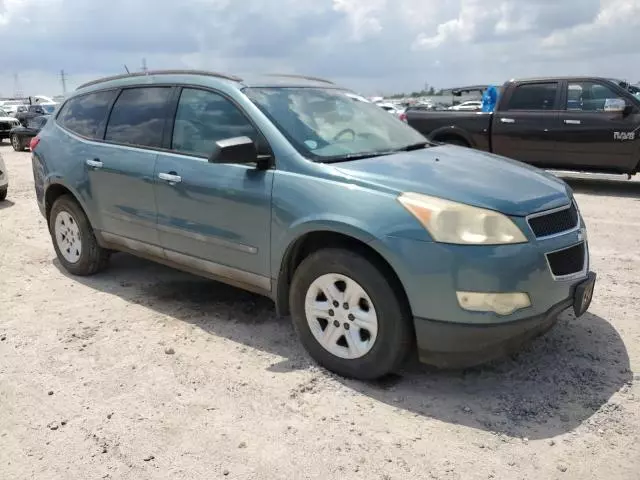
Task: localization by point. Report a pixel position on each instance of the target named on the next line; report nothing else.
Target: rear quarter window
(86, 115)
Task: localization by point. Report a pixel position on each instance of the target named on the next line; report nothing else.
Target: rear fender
(451, 131)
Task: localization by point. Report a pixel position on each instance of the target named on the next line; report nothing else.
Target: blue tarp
(489, 99)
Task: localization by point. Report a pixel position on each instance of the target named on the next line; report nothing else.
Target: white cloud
(370, 45)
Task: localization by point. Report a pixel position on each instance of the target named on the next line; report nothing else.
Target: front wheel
(73, 238)
(348, 316)
(17, 143)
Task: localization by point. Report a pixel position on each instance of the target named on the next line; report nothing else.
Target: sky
(372, 46)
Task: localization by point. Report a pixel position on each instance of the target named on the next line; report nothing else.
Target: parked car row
(370, 236)
(26, 111)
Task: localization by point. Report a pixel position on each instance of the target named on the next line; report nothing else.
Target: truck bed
(442, 126)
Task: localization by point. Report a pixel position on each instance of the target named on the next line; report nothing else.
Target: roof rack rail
(304, 77)
(161, 72)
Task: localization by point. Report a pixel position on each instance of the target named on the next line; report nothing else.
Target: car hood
(463, 175)
(8, 119)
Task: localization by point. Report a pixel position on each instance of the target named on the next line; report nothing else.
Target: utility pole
(63, 79)
(17, 91)
(144, 65)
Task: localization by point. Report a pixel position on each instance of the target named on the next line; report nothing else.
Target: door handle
(572, 122)
(170, 177)
(507, 120)
(95, 163)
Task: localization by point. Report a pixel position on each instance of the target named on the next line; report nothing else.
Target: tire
(17, 143)
(3, 192)
(383, 348)
(73, 238)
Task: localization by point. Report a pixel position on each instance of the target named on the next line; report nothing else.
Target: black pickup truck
(570, 123)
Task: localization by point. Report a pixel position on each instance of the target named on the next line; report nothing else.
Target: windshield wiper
(358, 156)
(414, 146)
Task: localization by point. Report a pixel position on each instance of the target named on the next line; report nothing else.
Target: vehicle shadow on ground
(6, 204)
(604, 187)
(558, 382)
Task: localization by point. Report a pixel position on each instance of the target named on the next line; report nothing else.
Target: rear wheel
(348, 316)
(73, 238)
(17, 143)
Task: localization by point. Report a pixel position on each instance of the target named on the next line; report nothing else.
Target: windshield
(49, 108)
(331, 125)
(3, 113)
(635, 90)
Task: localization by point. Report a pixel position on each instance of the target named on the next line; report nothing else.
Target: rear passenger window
(205, 117)
(534, 96)
(86, 115)
(138, 117)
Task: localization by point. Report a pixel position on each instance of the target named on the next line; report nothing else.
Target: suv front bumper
(454, 345)
(432, 274)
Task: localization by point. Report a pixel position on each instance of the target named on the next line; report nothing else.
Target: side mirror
(614, 105)
(239, 150)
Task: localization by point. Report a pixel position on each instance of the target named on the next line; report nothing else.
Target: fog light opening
(500, 303)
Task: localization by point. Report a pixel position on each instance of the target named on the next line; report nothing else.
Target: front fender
(333, 223)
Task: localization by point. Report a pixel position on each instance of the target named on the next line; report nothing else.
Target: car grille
(555, 222)
(568, 261)
(6, 126)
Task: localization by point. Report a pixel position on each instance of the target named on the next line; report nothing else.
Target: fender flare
(56, 180)
(335, 224)
(452, 131)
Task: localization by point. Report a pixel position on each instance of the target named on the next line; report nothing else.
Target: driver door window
(203, 118)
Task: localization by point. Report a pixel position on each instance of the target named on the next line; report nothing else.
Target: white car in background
(12, 106)
(393, 109)
(470, 106)
(4, 180)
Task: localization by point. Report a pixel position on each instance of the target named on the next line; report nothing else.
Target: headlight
(452, 222)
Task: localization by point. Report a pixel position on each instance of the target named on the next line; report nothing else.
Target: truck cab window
(534, 96)
(588, 96)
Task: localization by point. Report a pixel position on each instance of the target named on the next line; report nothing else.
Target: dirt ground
(143, 372)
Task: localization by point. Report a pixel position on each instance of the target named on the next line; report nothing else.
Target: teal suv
(374, 240)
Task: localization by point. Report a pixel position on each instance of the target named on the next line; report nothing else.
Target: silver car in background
(4, 179)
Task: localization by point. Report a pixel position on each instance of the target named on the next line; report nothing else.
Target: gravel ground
(143, 372)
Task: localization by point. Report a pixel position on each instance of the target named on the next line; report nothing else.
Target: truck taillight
(403, 117)
(34, 143)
